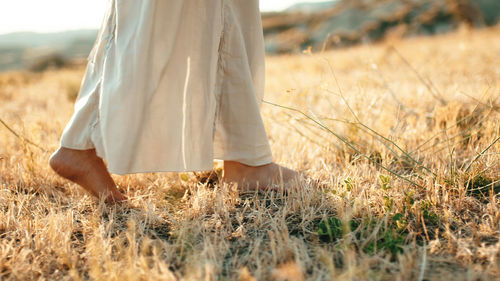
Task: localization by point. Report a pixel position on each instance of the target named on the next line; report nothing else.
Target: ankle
(233, 165)
(237, 171)
(56, 160)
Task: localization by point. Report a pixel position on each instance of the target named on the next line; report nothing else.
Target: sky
(59, 15)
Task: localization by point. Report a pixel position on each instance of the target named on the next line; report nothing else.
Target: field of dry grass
(402, 135)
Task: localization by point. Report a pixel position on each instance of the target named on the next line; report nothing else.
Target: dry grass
(436, 129)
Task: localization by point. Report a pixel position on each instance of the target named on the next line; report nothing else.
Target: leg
(257, 177)
(86, 169)
(240, 132)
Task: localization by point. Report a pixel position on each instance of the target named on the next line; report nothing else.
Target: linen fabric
(172, 84)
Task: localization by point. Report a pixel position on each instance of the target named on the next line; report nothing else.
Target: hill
(322, 25)
(349, 22)
(20, 50)
(307, 7)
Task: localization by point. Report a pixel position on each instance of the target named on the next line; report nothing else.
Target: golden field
(403, 137)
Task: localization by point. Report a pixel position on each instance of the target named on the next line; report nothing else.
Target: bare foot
(86, 169)
(260, 177)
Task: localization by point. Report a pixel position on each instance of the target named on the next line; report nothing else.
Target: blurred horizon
(289, 26)
(50, 16)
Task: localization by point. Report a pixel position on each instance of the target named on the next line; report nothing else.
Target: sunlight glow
(50, 15)
(59, 15)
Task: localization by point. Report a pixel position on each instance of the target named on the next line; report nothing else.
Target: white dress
(173, 84)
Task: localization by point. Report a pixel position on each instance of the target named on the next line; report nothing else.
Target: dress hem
(208, 167)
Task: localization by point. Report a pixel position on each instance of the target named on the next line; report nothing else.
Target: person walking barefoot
(86, 169)
(170, 86)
